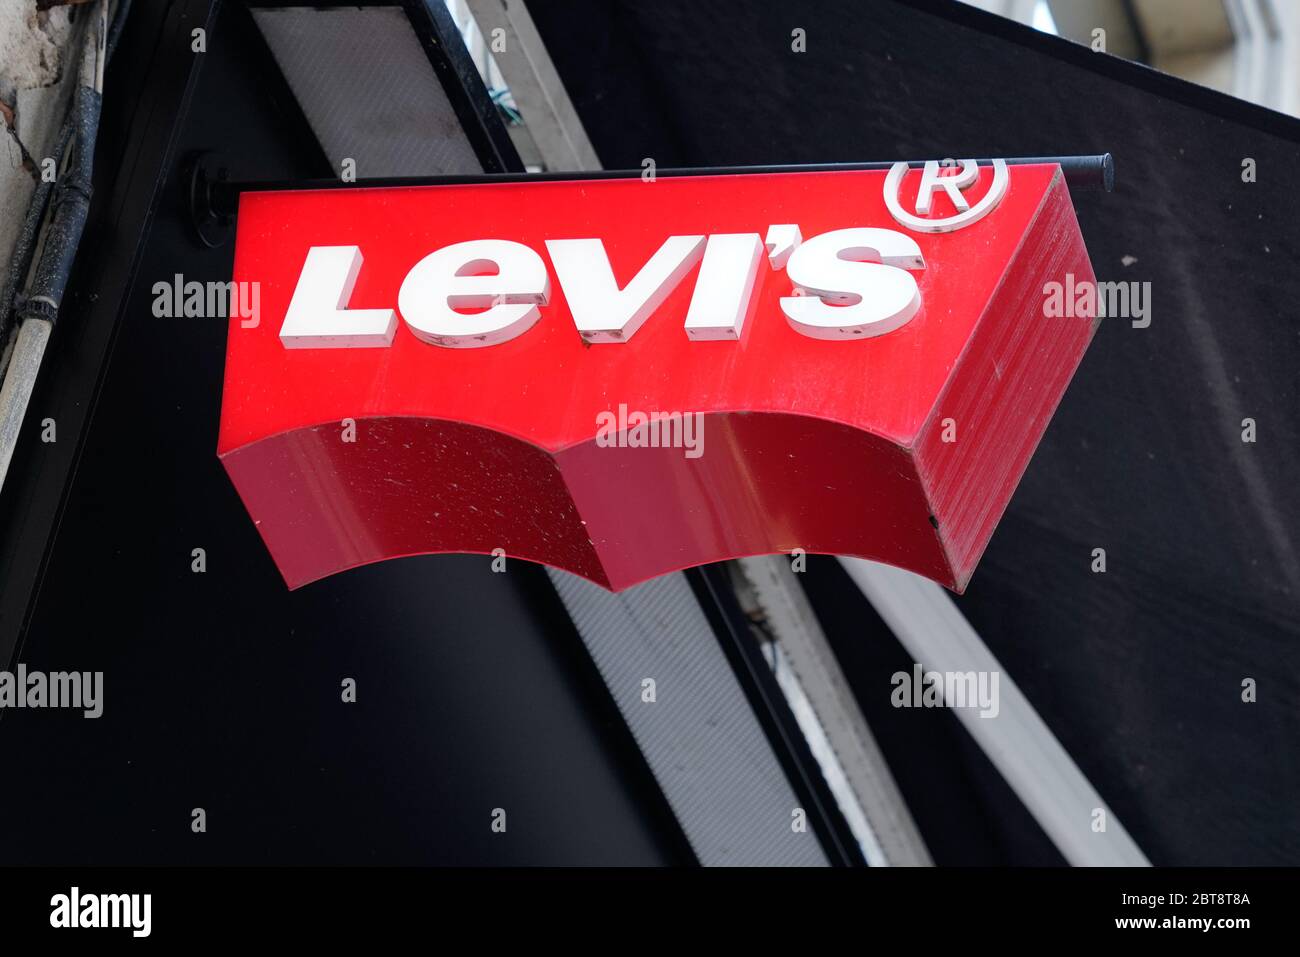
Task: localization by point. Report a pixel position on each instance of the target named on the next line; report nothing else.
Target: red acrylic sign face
(903, 447)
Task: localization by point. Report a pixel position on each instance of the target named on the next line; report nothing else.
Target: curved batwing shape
(903, 447)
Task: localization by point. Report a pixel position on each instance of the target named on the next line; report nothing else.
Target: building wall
(36, 81)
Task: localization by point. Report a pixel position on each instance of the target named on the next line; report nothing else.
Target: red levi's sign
(622, 378)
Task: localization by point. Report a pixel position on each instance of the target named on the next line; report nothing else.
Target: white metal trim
(1017, 741)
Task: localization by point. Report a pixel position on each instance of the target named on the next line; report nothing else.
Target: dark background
(1137, 671)
(222, 689)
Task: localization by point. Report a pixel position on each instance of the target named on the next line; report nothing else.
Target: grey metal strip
(841, 741)
(1017, 741)
(367, 89)
(699, 734)
(547, 110)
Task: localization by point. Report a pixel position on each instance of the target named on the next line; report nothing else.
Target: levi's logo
(352, 441)
(845, 283)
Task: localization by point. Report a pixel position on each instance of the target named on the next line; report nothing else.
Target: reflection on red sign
(624, 378)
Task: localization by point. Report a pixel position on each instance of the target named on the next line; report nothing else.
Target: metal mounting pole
(213, 196)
